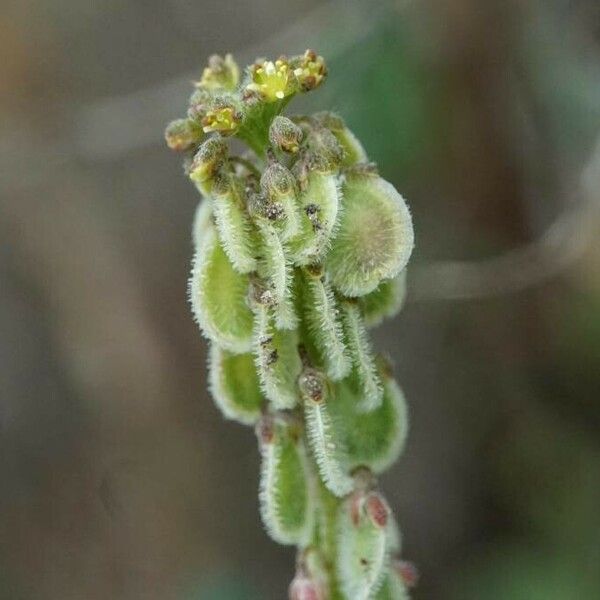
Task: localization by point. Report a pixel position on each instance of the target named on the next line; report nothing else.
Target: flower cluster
(300, 247)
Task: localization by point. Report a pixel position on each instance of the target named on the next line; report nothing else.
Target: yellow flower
(223, 118)
(271, 80)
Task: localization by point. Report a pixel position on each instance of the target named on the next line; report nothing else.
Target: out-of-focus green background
(118, 477)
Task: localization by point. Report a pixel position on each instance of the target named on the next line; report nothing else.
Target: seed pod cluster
(301, 246)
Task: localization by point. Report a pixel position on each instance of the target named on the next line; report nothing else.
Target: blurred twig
(562, 244)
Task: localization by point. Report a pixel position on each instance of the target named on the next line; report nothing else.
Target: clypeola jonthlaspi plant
(300, 247)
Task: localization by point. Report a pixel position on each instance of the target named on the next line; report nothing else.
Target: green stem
(246, 163)
(255, 129)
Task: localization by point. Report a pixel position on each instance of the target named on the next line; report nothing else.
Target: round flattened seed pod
(319, 203)
(363, 359)
(218, 297)
(322, 435)
(285, 482)
(233, 223)
(275, 267)
(375, 236)
(374, 439)
(277, 360)
(385, 301)
(323, 322)
(361, 550)
(234, 385)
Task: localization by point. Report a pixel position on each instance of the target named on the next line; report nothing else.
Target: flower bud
(198, 104)
(354, 152)
(285, 495)
(277, 182)
(375, 237)
(234, 385)
(322, 435)
(326, 153)
(313, 386)
(285, 135)
(279, 189)
(221, 73)
(182, 134)
(309, 70)
(208, 160)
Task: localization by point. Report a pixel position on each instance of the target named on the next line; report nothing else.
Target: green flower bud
(362, 357)
(285, 135)
(325, 151)
(218, 297)
(210, 157)
(310, 70)
(375, 237)
(182, 134)
(223, 116)
(353, 150)
(319, 203)
(276, 357)
(324, 325)
(234, 385)
(198, 105)
(233, 223)
(285, 482)
(322, 436)
(374, 439)
(362, 552)
(385, 301)
(271, 81)
(220, 74)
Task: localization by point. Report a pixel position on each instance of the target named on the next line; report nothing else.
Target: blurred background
(118, 477)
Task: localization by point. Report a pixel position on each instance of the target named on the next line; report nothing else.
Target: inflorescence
(300, 247)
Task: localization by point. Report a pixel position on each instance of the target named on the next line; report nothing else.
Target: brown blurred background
(118, 477)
